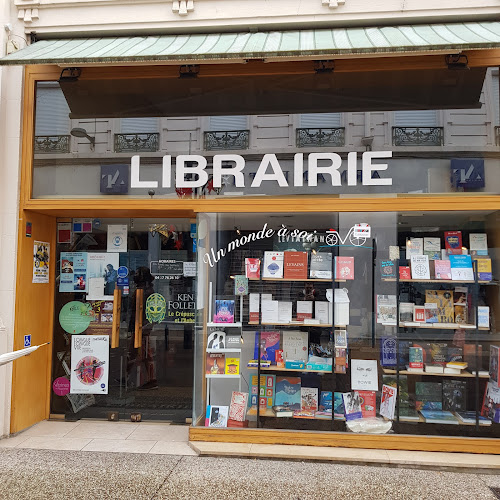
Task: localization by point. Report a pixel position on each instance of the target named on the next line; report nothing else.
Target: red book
(252, 268)
(404, 273)
(295, 266)
(453, 242)
(368, 400)
(344, 268)
(419, 314)
(278, 356)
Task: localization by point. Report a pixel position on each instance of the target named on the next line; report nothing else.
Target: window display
(343, 320)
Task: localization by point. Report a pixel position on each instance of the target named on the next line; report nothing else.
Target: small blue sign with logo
(467, 173)
(122, 271)
(27, 340)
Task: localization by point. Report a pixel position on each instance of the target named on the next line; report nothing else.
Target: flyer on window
(102, 275)
(73, 272)
(41, 257)
(89, 364)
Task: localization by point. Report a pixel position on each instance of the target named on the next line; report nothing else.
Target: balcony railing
(497, 136)
(134, 143)
(50, 144)
(234, 139)
(321, 137)
(417, 136)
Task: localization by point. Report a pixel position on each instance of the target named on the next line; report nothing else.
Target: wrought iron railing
(497, 136)
(417, 136)
(133, 143)
(322, 137)
(234, 139)
(51, 144)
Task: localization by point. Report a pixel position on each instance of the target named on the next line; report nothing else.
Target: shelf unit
(279, 369)
(388, 371)
(215, 351)
(312, 280)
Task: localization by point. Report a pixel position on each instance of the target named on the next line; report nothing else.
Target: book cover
(455, 354)
(285, 310)
(338, 405)
(453, 242)
(270, 311)
(416, 356)
(483, 316)
(478, 243)
(438, 417)
(404, 273)
(352, 405)
(404, 395)
(368, 402)
(340, 338)
(325, 402)
(288, 392)
(295, 346)
(420, 267)
(224, 311)
(432, 248)
(216, 363)
(216, 416)
(444, 301)
(253, 307)
(388, 401)
(494, 368)
(252, 268)
(483, 268)
(321, 265)
(491, 402)
(340, 360)
(454, 395)
(273, 265)
(433, 368)
(469, 417)
(232, 366)
(304, 309)
(442, 270)
(263, 392)
(460, 295)
(393, 252)
(439, 353)
(461, 268)
(419, 314)
(278, 356)
(269, 343)
(344, 268)
(233, 340)
(295, 265)
(406, 311)
(309, 399)
(414, 246)
(321, 311)
(431, 312)
(216, 340)
(428, 396)
(240, 285)
(388, 269)
(238, 406)
(386, 309)
(460, 314)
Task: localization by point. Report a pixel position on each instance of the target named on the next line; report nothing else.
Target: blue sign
(122, 281)
(27, 340)
(122, 271)
(467, 173)
(194, 245)
(114, 179)
(193, 230)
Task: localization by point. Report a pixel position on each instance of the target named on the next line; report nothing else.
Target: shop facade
(298, 188)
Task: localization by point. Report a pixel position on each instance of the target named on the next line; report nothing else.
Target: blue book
(338, 405)
(388, 356)
(325, 401)
(387, 269)
(288, 392)
(439, 417)
(461, 268)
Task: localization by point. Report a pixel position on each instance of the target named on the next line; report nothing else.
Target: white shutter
(496, 98)
(418, 118)
(226, 123)
(52, 111)
(144, 125)
(321, 120)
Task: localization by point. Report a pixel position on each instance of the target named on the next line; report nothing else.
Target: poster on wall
(102, 317)
(117, 238)
(89, 364)
(102, 271)
(41, 257)
(364, 374)
(73, 269)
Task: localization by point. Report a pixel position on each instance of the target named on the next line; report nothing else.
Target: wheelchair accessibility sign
(27, 340)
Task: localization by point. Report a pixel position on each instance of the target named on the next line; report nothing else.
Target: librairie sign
(191, 170)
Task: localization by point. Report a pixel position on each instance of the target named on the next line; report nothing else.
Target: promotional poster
(89, 364)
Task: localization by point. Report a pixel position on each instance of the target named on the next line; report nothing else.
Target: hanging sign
(167, 269)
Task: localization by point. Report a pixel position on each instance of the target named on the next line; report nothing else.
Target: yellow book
(232, 366)
(444, 301)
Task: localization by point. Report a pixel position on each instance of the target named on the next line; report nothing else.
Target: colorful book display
(224, 311)
(453, 242)
(288, 392)
(461, 268)
(238, 406)
(344, 268)
(442, 270)
(216, 363)
(263, 391)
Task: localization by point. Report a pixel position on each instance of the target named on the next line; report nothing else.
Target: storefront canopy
(274, 45)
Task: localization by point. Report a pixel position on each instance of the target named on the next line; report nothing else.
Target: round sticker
(75, 317)
(61, 386)
(122, 272)
(156, 308)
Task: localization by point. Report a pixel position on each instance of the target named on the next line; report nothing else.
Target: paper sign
(388, 401)
(82, 225)
(41, 257)
(73, 272)
(189, 269)
(64, 232)
(89, 364)
(362, 230)
(117, 238)
(364, 375)
(75, 317)
(102, 275)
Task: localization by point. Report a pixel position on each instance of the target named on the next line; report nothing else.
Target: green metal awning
(298, 44)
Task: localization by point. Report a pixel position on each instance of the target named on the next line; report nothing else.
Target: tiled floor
(88, 435)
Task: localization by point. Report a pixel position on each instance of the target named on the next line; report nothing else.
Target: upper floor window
(227, 132)
(139, 125)
(138, 134)
(228, 123)
(418, 118)
(320, 120)
(320, 129)
(495, 85)
(417, 128)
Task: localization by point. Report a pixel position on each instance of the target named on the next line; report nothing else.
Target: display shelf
(279, 369)
(317, 280)
(456, 282)
(322, 325)
(217, 375)
(437, 326)
(270, 413)
(224, 325)
(222, 350)
(388, 371)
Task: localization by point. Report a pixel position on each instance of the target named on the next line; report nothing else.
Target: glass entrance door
(146, 293)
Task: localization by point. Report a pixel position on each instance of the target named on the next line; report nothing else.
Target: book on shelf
(420, 267)
(393, 252)
(224, 311)
(304, 414)
(388, 352)
(352, 405)
(238, 406)
(270, 311)
(321, 311)
(295, 265)
(304, 309)
(216, 416)
(273, 265)
(491, 402)
(309, 399)
(455, 355)
(253, 307)
(406, 311)
(416, 357)
(232, 366)
(325, 406)
(252, 268)
(254, 363)
(458, 365)
(296, 345)
(444, 301)
(431, 312)
(454, 395)
(414, 246)
(478, 244)
(269, 343)
(368, 402)
(295, 364)
(288, 392)
(340, 360)
(442, 269)
(461, 268)
(432, 248)
(284, 312)
(408, 414)
(434, 368)
(439, 353)
(319, 363)
(338, 405)
(282, 411)
(419, 314)
(388, 401)
(483, 316)
(233, 340)
(344, 268)
(263, 391)
(404, 273)
(240, 285)
(469, 417)
(388, 269)
(453, 242)
(494, 366)
(428, 396)
(483, 268)
(215, 363)
(386, 309)
(340, 338)
(278, 357)
(404, 395)
(216, 340)
(439, 417)
(321, 265)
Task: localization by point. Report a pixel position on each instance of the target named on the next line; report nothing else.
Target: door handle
(139, 305)
(117, 309)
